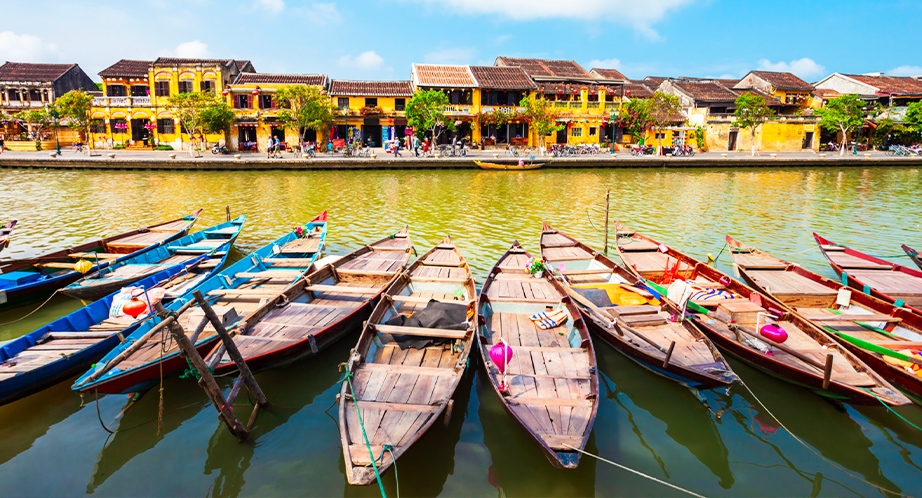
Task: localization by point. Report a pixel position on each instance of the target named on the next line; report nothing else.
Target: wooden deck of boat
(789, 283)
(646, 258)
(522, 288)
(893, 283)
(548, 380)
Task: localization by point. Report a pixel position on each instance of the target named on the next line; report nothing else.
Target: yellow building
(459, 85)
(793, 93)
(252, 97)
(370, 111)
(134, 107)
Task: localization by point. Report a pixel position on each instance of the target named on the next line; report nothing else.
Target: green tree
(842, 114)
(75, 108)
(664, 109)
(541, 117)
(913, 118)
(305, 108)
(194, 108)
(634, 119)
(426, 111)
(217, 117)
(751, 112)
(38, 120)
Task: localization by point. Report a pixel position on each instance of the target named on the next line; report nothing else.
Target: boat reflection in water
(25, 421)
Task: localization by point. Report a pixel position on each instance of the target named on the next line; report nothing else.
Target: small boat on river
(886, 337)
(509, 166)
(5, 232)
(913, 255)
(549, 385)
(234, 293)
(214, 242)
(410, 358)
(880, 278)
(317, 310)
(637, 322)
(27, 280)
(743, 322)
(68, 345)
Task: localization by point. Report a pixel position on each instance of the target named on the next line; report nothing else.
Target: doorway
(731, 141)
(371, 134)
(138, 131)
(808, 140)
(562, 135)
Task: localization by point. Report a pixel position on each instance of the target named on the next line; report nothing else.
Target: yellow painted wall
(773, 136)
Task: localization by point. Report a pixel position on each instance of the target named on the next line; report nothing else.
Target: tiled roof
(609, 74)
(25, 71)
(706, 91)
(241, 64)
(783, 81)
(172, 61)
(371, 88)
(546, 67)
(654, 81)
(439, 75)
(564, 87)
(126, 68)
(289, 79)
(826, 93)
(892, 85)
(638, 90)
(502, 78)
(770, 101)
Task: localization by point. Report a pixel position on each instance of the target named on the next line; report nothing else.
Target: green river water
(50, 445)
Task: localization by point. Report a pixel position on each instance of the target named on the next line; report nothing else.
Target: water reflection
(23, 422)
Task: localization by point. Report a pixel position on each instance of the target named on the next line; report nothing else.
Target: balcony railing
(611, 105)
(121, 101)
(576, 105)
(140, 101)
(561, 104)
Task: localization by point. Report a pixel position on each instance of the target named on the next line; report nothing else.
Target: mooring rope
(891, 410)
(347, 377)
(641, 474)
(99, 415)
(55, 293)
(815, 452)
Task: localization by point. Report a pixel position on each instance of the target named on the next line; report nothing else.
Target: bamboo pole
(607, 197)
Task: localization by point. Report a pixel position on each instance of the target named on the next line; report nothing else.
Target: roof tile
(127, 69)
(440, 75)
(706, 91)
(25, 71)
(502, 78)
(783, 81)
(371, 88)
(609, 74)
(546, 67)
(891, 85)
(289, 79)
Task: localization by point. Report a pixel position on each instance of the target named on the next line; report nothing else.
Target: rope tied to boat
(891, 410)
(55, 293)
(191, 372)
(347, 377)
(637, 472)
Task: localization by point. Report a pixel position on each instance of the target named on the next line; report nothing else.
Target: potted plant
(536, 267)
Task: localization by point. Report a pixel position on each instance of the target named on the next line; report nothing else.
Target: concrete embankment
(253, 163)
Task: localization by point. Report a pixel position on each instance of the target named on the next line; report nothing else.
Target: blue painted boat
(214, 242)
(66, 346)
(28, 280)
(242, 287)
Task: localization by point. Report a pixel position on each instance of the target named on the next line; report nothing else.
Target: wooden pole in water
(227, 212)
(206, 380)
(827, 372)
(607, 196)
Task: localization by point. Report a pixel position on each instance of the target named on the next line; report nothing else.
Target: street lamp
(57, 146)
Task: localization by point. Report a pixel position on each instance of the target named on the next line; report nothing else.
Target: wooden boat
(27, 280)
(871, 328)
(550, 385)
(913, 255)
(405, 371)
(5, 232)
(623, 312)
(730, 314)
(214, 242)
(66, 346)
(510, 166)
(234, 293)
(883, 279)
(317, 310)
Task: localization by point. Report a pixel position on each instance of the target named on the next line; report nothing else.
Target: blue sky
(380, 39)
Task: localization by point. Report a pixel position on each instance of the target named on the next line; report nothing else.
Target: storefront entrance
(371, 135)
(246, 137)
(138, 131)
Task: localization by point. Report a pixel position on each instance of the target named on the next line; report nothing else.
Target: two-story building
(123, 112)
(371, 111)
(583, 102)
(792, 92)
(500, 119)
(461, 87)
(25, 86)
(252, 97)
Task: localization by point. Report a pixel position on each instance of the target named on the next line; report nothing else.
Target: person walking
(415, 141)
(269, 145)
(2, 142)
(397, 148)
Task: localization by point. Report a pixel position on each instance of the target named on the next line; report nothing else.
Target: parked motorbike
(219, 149)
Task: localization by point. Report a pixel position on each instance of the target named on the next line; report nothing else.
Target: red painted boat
(880, 278)
(913, 255)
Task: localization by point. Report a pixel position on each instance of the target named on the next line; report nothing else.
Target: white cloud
(805, 68)
(638, 15)
(274, 6)
(605, 63)
(194, 49)
(321, 13)
(450, 56)
(905, 71)
(26, 48)
(369, 60)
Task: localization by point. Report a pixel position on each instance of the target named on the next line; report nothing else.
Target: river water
(50, 445)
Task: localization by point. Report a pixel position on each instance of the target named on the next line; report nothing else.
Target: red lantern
(134, 308)
(559, 91)
(627, 92)
(575, 91)
(226, 92)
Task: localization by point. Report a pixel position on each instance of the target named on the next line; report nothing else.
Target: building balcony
(457, 110)
(502, 108)
(121, 101)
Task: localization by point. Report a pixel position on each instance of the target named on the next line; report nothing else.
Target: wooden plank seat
(848, 261)
(587, 272)
(549, 401)
(421, 331)
(285, 274)
(562, 442)
(547, 376)
(341, 289)
(77, 335)
(832, 248)
(447, 264)
(388, 249)
(449, 280)
(404, 369)
(529, 300)
(94, 255)
(305, 245)
(853, 317)
(398, 407)
(633, 245)
(289, 261)
(374, 273)
(193, 250)
(757, 262)
(424, 300)
(244, 292)
(623, 311)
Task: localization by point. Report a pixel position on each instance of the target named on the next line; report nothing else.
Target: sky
(379, 40)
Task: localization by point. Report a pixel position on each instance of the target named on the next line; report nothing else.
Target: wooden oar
(874, 348)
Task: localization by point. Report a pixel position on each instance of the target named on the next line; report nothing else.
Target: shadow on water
(22, 422)
(136, 431)
(823, 424)
(519, 466)
(289, 390)
(424, 469)
(691, 426)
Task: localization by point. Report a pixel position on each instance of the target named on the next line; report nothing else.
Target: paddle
(874, 348)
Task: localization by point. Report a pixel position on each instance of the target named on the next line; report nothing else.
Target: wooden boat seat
(831, 248)
(402, 369)
(563, 443)
(643, 309)
(448, 280)
(423, 300)
(289, 261)
(286, 274)
(77, 335)
(375, 273)
(448, 264)
(634, 245)
(758, 262)
(522, 300)
(305, 245)
(342, 289)
(421, 331)
(853, 317)
(549, 401)
(244, 292)
(94, 255)
(848, 261)
(587, 272)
